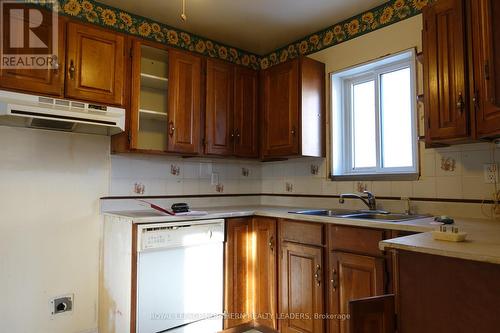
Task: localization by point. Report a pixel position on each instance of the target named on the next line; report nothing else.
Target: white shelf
(153, 81)
(150, 114)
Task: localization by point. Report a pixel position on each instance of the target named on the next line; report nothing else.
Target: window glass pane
(396, 119)
(363, 108)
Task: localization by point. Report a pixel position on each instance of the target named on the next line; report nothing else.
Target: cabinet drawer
(356, 240)
(302, 232)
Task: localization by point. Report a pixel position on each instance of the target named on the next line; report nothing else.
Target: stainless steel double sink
(360, 214)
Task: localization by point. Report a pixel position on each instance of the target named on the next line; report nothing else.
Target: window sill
(380, 177)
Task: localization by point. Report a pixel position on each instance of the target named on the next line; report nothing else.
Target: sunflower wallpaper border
(94, 12)
(379, 17)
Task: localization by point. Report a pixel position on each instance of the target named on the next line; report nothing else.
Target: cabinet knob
(293, 131)
(171, 128)
(271, 243)
(460, 102)
(71, 70)
(334, 280)
(317, 275)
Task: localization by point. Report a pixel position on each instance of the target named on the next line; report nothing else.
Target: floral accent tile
(389, 13)
(93, 12)
(448, 164)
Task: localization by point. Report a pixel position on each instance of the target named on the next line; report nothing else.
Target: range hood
(24, 110)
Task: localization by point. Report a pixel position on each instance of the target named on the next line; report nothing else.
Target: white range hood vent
(24, 110)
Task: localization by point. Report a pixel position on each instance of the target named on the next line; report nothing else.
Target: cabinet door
(352, 276)
(373, 314)
(445, 90)
(149, 97)
(264, 230)
(280, 110)
(219, 134)
(184, 103)
(245, 112)
(486, 54)
(95, 64)
(238, 272)
(49, 81)
(301, 286)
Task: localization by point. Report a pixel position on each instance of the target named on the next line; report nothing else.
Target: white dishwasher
(180, 277)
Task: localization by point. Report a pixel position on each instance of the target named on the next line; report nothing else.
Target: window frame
(341, 112)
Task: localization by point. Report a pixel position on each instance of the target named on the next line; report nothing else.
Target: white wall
(50, 184)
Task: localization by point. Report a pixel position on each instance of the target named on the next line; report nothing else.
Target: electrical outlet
(61, 304)
(215, 178)
(491, 173)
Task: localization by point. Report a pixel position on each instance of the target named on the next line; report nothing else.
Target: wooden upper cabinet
(184, 103)
(301, 288)
(238, 295)
(292, 109)
(219, 132)
(95, 64)
(445, 88)
(49, 81)
(352, 277)
(246, 142)
(280, 110)
(486, 55)
(266, 293)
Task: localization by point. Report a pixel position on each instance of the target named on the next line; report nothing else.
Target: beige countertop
(482, 244)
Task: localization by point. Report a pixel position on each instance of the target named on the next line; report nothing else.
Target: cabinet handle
(460, 102)
(271, 243)
(293, 131)
(317, 275)
(71, 70)
(171, 129)
(335, 281)
(487, 70)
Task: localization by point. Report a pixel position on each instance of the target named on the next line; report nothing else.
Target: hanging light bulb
(183, 14)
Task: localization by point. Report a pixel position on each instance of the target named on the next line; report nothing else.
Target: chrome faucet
(369, 200)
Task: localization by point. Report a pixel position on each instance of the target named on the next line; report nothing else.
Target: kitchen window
(374, 123)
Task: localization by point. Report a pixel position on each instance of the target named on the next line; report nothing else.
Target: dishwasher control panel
(168, 235)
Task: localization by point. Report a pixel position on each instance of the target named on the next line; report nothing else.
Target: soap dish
(450, 236)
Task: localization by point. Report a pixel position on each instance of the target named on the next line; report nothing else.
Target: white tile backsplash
(463, 180)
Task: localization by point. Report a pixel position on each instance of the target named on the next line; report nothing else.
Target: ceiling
(258, 26)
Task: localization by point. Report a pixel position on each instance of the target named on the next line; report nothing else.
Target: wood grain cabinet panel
(486, 55)
(219, 131)
(445, 88)
(238, 300)
(49, 81)
(266, 283)
(292, 109)
(352, 277)
(280, 109)
(246, 112)
(184, 103)
(301, 288)
(95, 66)
(373, 315)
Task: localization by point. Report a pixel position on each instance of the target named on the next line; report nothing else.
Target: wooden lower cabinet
(250, 272)
(238, 298)
(447, 295)
(265, 272)
(352, 277)
(301, 288)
